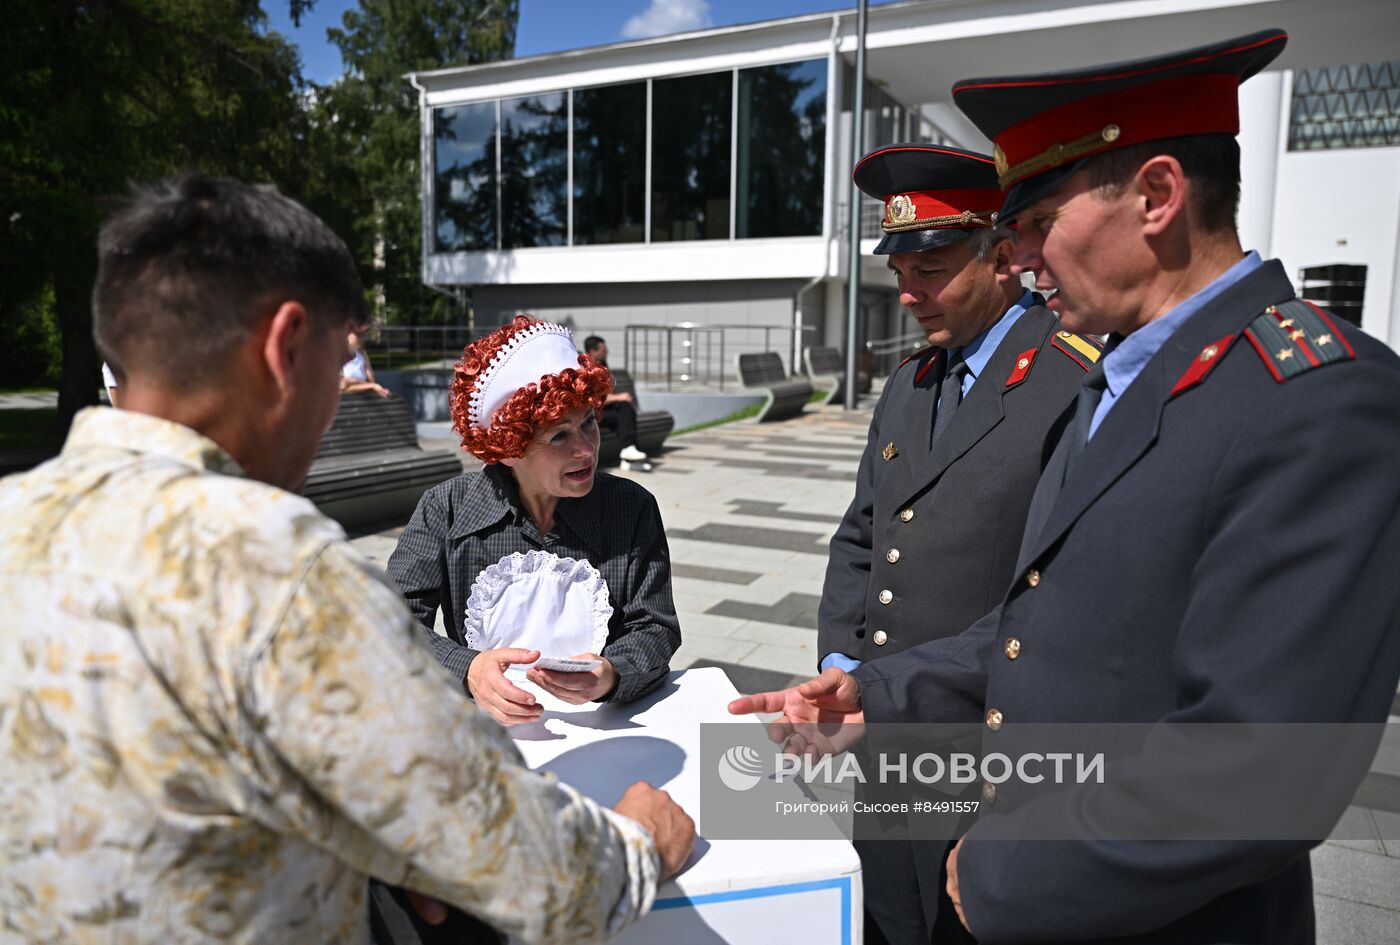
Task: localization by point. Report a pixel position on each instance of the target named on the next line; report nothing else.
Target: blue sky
(553, 25)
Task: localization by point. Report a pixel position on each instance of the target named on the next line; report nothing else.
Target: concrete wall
(1315, 208)
(1340, 207)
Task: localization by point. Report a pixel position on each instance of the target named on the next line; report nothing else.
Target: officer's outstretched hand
(820, 717)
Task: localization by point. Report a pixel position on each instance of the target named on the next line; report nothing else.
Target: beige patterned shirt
(216, 720)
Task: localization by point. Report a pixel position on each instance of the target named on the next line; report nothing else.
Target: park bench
(825, 366)
(786, 397)
(653, 426)
(369, 467)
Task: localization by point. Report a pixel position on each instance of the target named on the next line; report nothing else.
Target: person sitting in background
(526, 404)
(357, 374)
(619, 412)
(220, 719)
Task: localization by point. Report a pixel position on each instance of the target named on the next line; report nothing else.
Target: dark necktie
(1089, 396)
(949, 396)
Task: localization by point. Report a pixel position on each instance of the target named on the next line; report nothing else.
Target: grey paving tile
(700, 572)
(1357, 831)
(777, 510)
(791, 610)
(712, 648)
(795, 470)
(1388, 829)
(842, 454)
(801, 660)
(750, 679)
(778, 538)
(1379, 791)
(1356, 876)
(1340, 922)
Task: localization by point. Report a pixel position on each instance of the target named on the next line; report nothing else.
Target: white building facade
(702, 179)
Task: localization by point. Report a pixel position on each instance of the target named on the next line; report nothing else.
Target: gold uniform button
(880, 638)
(1012, 648)
(1033, 577)
(906, 515)
(892, 555)
(989, 791)
(886, 597)
(994, 719)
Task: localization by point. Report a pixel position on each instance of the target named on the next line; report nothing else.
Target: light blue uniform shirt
(1123, 364)
(976, 353)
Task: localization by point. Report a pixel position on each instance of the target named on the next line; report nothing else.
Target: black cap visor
(916, 241)
(1028, 191)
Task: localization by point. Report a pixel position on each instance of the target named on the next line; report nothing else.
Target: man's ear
(1161, 189)
(1002, 254)
(286, 343)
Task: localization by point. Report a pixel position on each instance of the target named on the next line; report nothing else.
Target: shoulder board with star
(1295, 337)
(1083, 350)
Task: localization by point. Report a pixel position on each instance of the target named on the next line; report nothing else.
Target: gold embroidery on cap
(1055, 155)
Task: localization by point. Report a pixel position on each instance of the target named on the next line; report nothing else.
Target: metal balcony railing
(690, 356)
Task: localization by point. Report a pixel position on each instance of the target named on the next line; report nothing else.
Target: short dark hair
(983, 240)
(592, 343)
(186, 268)
(1210, 162)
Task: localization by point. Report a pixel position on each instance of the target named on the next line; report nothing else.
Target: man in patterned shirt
(216, 719)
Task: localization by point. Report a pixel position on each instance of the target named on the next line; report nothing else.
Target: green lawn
(26, 429)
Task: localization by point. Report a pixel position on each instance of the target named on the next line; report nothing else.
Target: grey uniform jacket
(1225, 549)
(930, 539)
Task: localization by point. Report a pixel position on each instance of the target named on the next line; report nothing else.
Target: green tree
(377, 109)
(97, 94)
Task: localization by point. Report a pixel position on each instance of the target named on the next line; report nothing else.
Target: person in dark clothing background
(619, 412)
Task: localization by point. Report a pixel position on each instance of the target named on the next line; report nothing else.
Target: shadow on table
(593, 769)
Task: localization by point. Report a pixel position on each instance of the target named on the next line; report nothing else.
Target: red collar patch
(1024, 360)
(1202, 364)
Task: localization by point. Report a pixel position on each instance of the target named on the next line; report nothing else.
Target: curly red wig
(530, 408)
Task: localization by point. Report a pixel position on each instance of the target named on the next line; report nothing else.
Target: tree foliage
(378, 111)
(96, 94)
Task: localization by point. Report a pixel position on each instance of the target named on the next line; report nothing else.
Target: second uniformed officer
(957, 443)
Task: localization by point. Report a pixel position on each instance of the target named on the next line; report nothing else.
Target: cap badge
(901, 209)
(999, 159)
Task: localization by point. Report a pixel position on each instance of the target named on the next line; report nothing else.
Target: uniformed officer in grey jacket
(1214, 540)
(957, 442)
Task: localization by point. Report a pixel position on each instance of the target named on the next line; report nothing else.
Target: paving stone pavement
(749, 510)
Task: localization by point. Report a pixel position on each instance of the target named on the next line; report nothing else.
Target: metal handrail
(415, 345)
(879, 346)
(695, 355)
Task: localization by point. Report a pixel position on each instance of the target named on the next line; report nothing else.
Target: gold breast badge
(889, 452)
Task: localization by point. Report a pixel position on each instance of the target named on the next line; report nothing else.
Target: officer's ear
(1161, 187)
(1002, 254)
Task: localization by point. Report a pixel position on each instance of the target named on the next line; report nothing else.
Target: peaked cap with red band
(1046, 126)
(933, 195)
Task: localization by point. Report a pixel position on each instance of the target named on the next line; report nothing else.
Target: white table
(731, 891)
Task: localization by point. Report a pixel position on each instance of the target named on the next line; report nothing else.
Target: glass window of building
(464, 177)
(534, 206)
(782, 150)
(691, 124)
(1352, 106)
(610, 162)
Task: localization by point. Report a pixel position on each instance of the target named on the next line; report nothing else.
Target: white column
(1264, 102)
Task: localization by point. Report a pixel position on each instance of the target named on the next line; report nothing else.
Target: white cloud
(664, 17)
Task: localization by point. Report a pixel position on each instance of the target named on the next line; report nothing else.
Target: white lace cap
(539, 601)
(538, 351)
